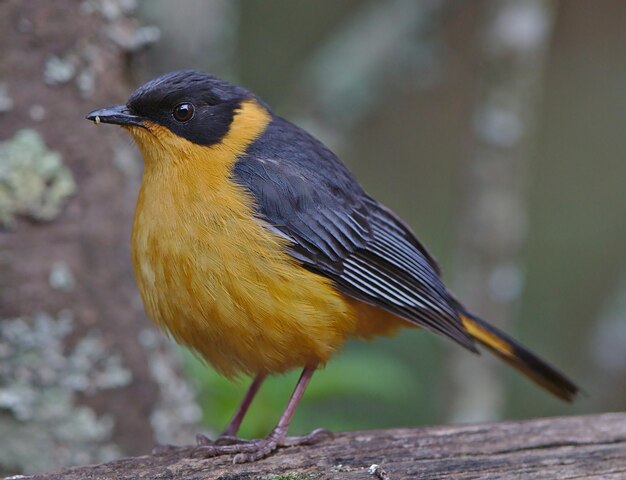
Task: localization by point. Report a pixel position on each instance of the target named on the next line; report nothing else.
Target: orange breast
(225, 290)
(220, 282)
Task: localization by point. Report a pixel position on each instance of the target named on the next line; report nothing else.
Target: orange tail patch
(516, 355)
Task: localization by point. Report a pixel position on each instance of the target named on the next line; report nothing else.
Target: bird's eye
(183, 112)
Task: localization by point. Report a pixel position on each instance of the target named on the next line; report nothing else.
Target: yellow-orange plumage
(254, 246)
(216, 278)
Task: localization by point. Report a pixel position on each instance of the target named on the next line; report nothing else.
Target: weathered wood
(588, 447)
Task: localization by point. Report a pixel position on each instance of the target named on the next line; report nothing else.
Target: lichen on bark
(39, 381)
(34, 182)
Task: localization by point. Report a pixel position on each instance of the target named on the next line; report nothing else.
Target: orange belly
(219, 281)
(224, 286)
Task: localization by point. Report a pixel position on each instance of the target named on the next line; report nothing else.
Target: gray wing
(305, 194)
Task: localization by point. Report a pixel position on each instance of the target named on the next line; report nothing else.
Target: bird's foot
(223, 439)
(252, 450)
(201, 440)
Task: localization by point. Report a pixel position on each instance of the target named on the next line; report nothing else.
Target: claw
(315, 436)
(252, 450)
(202, 439)
(229, 440)
(264, 448)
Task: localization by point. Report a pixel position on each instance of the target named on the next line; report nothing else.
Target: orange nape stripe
(520, 358)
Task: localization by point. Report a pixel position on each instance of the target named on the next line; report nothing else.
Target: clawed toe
(202, 439)
(252, 450)
(263, 449)
(315, 436)
(229, 440)
(273, 442)
(208, 451)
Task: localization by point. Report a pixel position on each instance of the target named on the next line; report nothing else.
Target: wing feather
(304, 193)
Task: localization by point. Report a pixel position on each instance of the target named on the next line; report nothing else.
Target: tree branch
(553, 448)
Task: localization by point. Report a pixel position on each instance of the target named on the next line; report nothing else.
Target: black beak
(117, 115)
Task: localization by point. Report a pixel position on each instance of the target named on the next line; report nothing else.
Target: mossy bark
(68, 304)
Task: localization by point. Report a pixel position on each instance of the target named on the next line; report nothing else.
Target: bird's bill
(117, 115)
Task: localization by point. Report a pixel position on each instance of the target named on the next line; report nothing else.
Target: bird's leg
(229, 435)
(256, 449)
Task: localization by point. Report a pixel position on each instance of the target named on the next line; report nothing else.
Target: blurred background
(494, 127)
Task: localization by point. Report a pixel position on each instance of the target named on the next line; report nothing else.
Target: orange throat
(214, 277)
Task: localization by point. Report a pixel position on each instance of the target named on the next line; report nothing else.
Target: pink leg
(256, 449)
(235, 422)
(228, 436)
(294, 400)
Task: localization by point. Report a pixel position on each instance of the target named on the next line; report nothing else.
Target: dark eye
(183, 112)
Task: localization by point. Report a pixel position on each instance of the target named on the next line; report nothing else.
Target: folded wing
(304, 193)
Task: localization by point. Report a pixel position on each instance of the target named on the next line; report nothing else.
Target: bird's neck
(184, 181)
(164, 151)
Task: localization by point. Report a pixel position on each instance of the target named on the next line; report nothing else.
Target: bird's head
(186, 109)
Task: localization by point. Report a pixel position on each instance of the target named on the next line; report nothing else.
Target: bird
(254, 246)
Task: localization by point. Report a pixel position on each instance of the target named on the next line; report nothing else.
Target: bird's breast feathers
(219, 281)
(256, 247)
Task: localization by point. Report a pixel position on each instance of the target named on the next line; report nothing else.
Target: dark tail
(519, 357)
